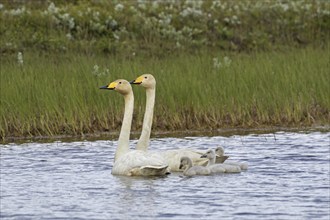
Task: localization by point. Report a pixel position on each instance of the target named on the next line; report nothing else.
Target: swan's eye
(119, 82)
(146, 77)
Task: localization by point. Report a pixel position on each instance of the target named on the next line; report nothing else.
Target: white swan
(219, 151)
(134, 162)
(190, 170)
(148, 81)
(219, 168)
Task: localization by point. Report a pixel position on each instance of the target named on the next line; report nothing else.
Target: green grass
(56, 94)
(161, 27)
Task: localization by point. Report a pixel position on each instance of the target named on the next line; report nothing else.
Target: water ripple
(288, 178)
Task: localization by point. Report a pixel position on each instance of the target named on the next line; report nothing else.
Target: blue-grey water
(288, 178)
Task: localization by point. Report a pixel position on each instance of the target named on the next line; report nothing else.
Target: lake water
(288, 178)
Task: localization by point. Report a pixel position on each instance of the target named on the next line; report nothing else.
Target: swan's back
(173, 157)
(140, 163)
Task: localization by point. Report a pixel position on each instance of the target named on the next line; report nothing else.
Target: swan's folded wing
(173, 157)
(132, 162)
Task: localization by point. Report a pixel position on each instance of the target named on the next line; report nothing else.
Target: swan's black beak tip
(105, 87)
(134, 82)
(203, 156)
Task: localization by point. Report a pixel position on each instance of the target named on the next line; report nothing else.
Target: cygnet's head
(185, 162)
(120, 85)
(210, 154)
(219, 151)
(148, 81)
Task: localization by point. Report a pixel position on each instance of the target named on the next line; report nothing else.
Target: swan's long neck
(143, 142)
(211, 161)
(188, 166)
(123, 141)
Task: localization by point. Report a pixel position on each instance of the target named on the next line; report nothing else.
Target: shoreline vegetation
(218, 65)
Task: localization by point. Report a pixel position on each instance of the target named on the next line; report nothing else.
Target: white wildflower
(96, 15)
(20, 58)
(142, 4)
(52, 8)
(1, 6)
(96, 70)
(191, 11)
(155, 4)
(18, 11)
(215, 4)
(69, 36)
(116, 36)
(285, 7)
(226, 61)
(216, 63)
(119, 7)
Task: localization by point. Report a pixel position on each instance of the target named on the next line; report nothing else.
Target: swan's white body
(136, 162)
(219, 168)
(140, 163)
(220, 154)
(190, 170)
(172, 157)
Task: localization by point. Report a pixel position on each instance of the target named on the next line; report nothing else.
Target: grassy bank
(52, 94)
(160, 28)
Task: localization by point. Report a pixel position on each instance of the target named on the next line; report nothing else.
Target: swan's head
(148, 81)
(120, 85)
(185, 162)
(220, 151)
(210, 154)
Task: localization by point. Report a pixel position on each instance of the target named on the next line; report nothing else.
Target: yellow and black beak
(111, 86)
(137, 80)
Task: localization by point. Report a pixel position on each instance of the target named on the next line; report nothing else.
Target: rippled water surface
(288, 178)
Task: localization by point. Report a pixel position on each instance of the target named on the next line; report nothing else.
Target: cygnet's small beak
(204, 156)
(180, 167)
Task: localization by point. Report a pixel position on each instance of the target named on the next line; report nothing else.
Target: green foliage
(56, 94)
(161, 27)
(55, 55)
